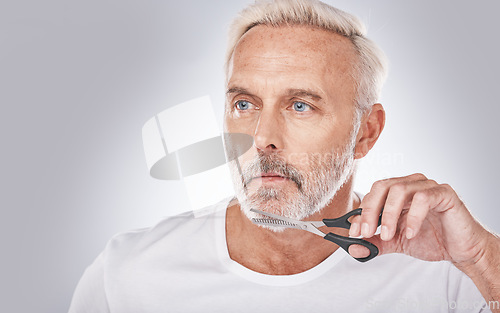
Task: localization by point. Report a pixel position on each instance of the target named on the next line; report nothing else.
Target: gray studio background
(78, 79)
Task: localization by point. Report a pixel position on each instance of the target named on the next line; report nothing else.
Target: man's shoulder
(130, 239)
(172, 231)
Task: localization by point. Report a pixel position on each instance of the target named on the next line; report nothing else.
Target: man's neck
(291, 251)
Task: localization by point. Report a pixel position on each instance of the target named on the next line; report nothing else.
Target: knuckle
(379, 185)
(366, 210)
(399, 188)
(432, 182)
(421, 196)
(418, 176)
(446, 187)
(445, 191)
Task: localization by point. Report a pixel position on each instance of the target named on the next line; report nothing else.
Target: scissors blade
(274, 222)
(282, 218)
(281, 221)
(289, 220)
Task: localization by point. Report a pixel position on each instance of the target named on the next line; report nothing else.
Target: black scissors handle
(343, 221)
(346, 242)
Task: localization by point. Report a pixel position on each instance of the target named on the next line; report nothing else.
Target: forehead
(315, 54)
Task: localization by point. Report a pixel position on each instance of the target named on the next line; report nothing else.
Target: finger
(423, 201)
(399, 198)
(354, 230)
(372, 204)
(384, 247)
(374, 201)
(358, 251)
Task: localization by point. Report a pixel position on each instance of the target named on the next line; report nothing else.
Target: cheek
(322, 135)
(237, 124)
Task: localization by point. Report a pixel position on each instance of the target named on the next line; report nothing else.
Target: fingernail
(384, 233)
(409, 233)
(365, 229)
(353, 231)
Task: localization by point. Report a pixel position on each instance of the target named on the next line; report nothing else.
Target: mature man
(303, 80)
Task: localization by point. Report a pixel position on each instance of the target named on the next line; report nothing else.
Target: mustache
(271, 163)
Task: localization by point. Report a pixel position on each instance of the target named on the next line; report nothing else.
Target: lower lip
(272, 179)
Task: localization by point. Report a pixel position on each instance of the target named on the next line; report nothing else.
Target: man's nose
(268, 134)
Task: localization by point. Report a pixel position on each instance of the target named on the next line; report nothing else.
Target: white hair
(369, 72)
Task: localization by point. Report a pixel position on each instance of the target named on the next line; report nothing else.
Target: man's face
(291, 89)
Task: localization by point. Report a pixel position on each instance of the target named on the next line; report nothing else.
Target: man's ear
(372, 124)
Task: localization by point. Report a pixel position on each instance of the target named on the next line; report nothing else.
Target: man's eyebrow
(289, 92)
(304, 93)
(238, 90)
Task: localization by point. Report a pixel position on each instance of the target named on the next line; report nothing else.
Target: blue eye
(242, 105)
(300, 106)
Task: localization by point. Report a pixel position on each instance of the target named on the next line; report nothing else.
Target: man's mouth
(269, 173)
(270, 177)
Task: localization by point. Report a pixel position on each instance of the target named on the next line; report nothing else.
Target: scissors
(312, 226)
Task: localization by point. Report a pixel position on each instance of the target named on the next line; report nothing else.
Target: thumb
(384, 247)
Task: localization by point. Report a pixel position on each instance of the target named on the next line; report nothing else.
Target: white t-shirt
(182, 265)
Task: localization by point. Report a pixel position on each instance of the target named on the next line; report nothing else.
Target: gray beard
(316, 186)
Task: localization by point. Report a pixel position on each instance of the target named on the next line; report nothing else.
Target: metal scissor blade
(274, 222)
(282, 218)
(281, 221)
(289, 220)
